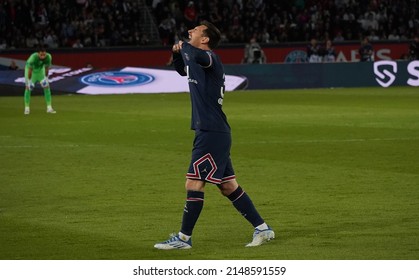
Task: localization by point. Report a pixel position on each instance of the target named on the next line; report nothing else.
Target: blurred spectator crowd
(98, 23)
(291, 20)
(70, 23)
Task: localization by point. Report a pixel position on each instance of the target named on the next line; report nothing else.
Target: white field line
(49, 146)
(335, 140)
(256, 142)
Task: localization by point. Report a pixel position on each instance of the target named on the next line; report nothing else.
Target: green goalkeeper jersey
(37, 64)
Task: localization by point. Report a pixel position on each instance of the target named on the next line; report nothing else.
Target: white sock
(262, 226)
(184, 237)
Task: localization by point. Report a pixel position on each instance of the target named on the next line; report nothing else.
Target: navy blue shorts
(211, 157)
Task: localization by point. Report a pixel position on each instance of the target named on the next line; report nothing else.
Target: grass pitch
(334, 172)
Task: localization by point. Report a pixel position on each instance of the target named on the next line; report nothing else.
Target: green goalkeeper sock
(27, 97)
(47, 95)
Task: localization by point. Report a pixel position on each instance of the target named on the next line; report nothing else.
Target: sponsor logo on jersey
(117, 79)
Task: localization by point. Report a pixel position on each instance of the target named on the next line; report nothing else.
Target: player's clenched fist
(177, 47)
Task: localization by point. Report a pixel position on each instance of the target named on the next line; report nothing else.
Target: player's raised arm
(177, 59)
(201, 57)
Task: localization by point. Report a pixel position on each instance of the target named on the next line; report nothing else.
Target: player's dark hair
(41, 48)
(212, 33)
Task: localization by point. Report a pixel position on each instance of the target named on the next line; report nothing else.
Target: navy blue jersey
(205, 74)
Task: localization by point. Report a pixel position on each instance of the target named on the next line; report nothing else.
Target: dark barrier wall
(328, 75)
(384, 73)
(158, 57)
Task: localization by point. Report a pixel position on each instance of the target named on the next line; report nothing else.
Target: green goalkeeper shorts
(37, 76)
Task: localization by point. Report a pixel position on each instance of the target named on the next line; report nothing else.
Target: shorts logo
(116, 79)
(382, 74)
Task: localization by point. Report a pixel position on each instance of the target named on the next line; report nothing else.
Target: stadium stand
(111, 23)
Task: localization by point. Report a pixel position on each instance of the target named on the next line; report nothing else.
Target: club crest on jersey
(116, 79)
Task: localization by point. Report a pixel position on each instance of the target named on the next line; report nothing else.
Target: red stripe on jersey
(194, 199)
(227, 179)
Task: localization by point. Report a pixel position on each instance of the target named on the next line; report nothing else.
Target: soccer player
(36, 70)
(211, 147)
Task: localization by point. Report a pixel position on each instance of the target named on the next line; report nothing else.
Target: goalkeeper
(36, 70)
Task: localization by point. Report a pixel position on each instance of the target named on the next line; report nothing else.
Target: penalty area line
(336, 140)
(48, 146)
